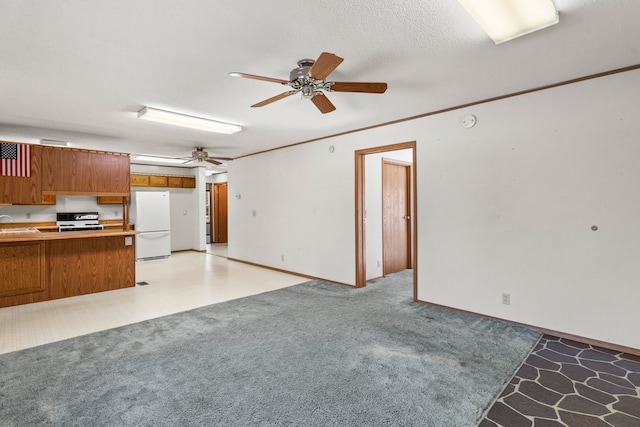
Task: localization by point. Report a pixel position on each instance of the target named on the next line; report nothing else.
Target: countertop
(22, 236)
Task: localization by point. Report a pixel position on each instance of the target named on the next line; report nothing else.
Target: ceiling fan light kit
(505, 20)
(309, 79)
(191, 122)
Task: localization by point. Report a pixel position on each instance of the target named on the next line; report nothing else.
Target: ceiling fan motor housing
(199, 154)
(300, 80)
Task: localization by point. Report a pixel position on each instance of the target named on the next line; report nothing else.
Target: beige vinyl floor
(184, 281)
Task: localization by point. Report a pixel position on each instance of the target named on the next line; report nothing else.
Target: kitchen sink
(18, 230)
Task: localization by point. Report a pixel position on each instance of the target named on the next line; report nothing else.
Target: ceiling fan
(200, 155)
(309, 78)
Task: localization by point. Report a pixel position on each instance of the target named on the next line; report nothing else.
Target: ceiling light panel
(154, 159)
(504, 20)
(183, 120)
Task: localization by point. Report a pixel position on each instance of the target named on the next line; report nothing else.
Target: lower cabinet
(85, 266)
(23, 273)
(41, 270)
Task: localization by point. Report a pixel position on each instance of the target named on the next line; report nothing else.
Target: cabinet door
(48, 199)
(138, 180)
(158, 180)
(188, 182)
(21, 190)
(74, 171)
(175, 181)
(110, 200)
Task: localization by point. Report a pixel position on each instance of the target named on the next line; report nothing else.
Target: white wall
(216, 178)
(187, 207)
(373, 207)
(504, 207)
(44, 213)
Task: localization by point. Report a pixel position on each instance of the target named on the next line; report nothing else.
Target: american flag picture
(15, 159)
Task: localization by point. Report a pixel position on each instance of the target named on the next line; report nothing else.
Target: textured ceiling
(79, 70)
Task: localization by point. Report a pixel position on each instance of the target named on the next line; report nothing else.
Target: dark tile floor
(567, 383)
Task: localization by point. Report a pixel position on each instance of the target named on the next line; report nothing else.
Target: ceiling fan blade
(252, 76)
(323, 103)
(221, 158)
(215, 162)
(324, 65)
(367, 87)
(274, 99)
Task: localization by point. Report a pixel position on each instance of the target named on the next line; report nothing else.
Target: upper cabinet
(25, 188)
(84, 172)
(157, 180)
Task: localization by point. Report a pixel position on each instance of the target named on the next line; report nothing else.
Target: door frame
(361, 267)
(209, 188)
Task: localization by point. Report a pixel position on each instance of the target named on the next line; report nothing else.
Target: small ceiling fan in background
(310, 80)
(200, 155)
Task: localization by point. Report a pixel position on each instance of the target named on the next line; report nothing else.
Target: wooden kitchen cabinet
(138, 180)
(175, 181)
(84, 172)
(43, 266)
(47, 199)
(23, 190)
(109, 200)
(23, 268)
(158, 180)
(169, 181)
(188, 182)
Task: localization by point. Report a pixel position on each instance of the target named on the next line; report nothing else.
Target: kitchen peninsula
(39, 265)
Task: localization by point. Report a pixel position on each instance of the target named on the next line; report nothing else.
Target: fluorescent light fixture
(54, 142)
(504, 20)
(155, 159)
(186, 121)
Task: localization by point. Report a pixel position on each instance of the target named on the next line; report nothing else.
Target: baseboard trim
(559, 334)
(279, 270)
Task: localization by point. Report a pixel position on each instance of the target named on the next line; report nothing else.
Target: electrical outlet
(378, 264)
(506, 299)
(282, 258)
(28, 215)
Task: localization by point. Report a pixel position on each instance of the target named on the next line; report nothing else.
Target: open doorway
(406, 223)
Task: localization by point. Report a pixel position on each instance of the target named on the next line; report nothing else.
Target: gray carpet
(315, 354)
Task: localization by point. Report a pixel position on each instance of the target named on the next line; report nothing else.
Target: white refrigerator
(151, 216)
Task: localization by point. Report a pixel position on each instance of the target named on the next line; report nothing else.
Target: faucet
(5, 216)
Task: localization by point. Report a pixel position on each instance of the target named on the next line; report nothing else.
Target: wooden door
(220, 212)
(396, 216)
